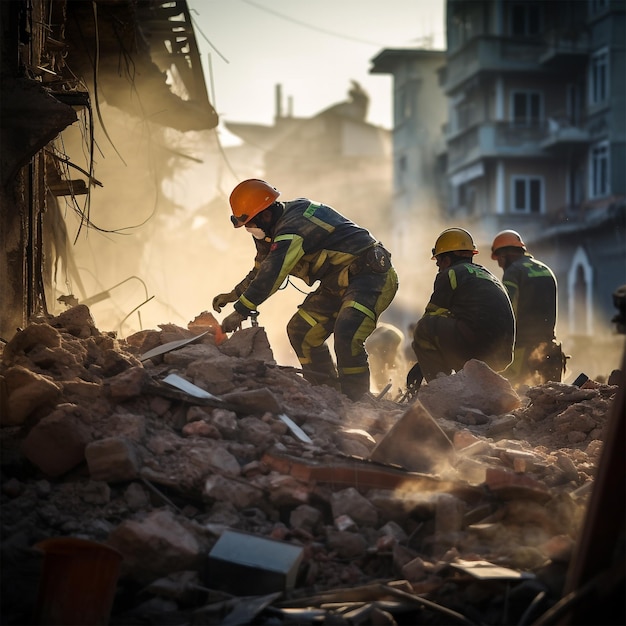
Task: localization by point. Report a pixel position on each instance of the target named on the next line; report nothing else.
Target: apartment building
(535, 140)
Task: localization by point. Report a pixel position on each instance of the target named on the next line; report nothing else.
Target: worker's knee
(424, 336)
(305, 332)
(297, 328)
(352, 328)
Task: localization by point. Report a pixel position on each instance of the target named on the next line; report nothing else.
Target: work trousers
(348, 313)
(445, 344)
(536, 364)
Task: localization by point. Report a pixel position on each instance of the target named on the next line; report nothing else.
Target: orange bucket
(78, 581)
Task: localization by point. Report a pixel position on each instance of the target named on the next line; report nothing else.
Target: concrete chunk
(246, 564)
(416, 443)
(113, 459)
(57, 443)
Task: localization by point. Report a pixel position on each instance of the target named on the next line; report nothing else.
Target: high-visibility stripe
(441, 311)
(310, 213)
(309, 319)
(359, 307)
(293, 255)
(452, 278)
(283, 237)
(352, 370)
(319, 262)
(247, 303)
(310, 210)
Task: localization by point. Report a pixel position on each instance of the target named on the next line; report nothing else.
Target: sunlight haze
(312, 49)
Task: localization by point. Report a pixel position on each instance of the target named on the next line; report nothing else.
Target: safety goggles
(238, 221)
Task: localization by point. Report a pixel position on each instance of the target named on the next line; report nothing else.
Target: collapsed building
(216, 486)
(134, 470)
(64, 64)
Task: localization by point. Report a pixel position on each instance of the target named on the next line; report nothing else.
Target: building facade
(535, 140)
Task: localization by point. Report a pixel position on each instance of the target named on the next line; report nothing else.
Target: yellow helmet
(505, 239)
(454, 240)
(249, 198)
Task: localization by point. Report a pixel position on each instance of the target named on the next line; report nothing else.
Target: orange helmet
(249, 198)
(505, 239)
(454, 240)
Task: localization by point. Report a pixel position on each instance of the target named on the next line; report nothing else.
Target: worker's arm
(222, 299)
(285, 252)
(511, 280)
(441, 298)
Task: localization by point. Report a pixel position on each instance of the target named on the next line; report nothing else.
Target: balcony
(491, 54)
(496, 139)
(565, 53)
(563, 133)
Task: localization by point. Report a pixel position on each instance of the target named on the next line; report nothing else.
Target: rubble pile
(158, 444)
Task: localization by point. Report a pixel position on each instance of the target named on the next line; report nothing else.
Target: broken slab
(476, 386)
(246, 564)
(169, 346)
(416, 442)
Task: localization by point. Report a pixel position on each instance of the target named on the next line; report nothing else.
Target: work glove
(232, 322)
(414, 380)
(223, 299)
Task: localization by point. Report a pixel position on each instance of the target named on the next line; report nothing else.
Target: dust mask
(257, 233)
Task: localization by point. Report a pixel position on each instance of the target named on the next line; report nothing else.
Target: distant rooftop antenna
(279, 102)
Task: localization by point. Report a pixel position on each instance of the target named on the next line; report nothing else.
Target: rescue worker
(469, 315)
(532, 288)
(313, 242)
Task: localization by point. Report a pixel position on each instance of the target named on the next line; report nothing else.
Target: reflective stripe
(292, 256)
(353, 370)
(310, 210)
(452, 278)
(308, 318)
(309, 214)
(247, 303)
(441, 311)
(319, 262)
(360, 307)
(283, 237)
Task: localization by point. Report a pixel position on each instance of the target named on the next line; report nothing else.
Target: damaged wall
(63, 61)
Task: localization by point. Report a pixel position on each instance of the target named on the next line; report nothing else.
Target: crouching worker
(313, 242)
(469, 315)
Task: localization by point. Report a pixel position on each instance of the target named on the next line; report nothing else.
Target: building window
(527, 194)
(599, 77)
(526, 108)
(599, 171)
(575, 103)
(405, 104)
(525, 19)
(580, 294)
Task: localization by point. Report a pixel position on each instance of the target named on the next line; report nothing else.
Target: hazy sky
(313, 48)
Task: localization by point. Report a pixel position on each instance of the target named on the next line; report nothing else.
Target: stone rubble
(96, 446)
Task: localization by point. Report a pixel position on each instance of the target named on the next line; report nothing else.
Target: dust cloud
(160, 245)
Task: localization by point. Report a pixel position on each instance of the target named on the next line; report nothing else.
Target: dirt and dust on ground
(226, 489)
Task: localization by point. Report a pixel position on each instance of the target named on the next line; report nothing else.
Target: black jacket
(470, 293)
(309, 240)
(532, 288)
